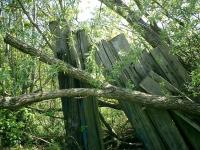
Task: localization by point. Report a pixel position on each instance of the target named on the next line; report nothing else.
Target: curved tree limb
(161, 102)
(112, 92)
(132, 17)
(67, 68)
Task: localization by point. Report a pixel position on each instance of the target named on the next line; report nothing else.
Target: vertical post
(80, 114)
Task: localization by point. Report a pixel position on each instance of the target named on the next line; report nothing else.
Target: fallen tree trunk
(113, 92)
(161, 102)
(136, 22)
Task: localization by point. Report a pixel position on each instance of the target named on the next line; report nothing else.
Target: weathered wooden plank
(98, 59)
(188, 127)
(143, 126)
(191, 135)
(138, 118)
(70, 109)
(180, 72)
(167, 129)
(103, 56)
(164, 86)
(161, 118)
(82, 46)
(90, 122)
(173, 90)
(188, 120)
(120, 43)
(164, 65)
(140, 70)
(164, 83)
(135, 76)
(149, 63)
(108, 50)
(81, 117)
(125, 71)
(150, 86)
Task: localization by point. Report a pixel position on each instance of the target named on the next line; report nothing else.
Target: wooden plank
(143, 126)
(138, 118)
(150, 86)
(103, 56)
(87, 107)
(164, 65)
(180, 72)
(140, 70)
(135, 76)
(124, 77)
(161, 118)
(164, 83)
(191, 135)
(155, 84)
(98, 59)
(120, 44)
(188, 127)
(92, 128)
(82, 46)
(125, 71)
(173, 90)
(108, 50)
(189, 121)
(69, 105)
(149, 63)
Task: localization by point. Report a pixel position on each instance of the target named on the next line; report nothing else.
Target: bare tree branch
(67, 68)
(112, 92)
(161, 102)
(145, 30)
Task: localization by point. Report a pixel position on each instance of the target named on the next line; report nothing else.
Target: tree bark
(137, 23)
(62, 66)
(113, 92)
(161, 102)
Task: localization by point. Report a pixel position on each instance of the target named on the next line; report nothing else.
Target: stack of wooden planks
(157, 72)
(81, 115)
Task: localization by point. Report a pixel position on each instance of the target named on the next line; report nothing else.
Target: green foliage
(196, 77)
(4, 78)
(194, 86)
(127, 58)
(91, 66)
(21, 74)
(13, 125)
(116, 119)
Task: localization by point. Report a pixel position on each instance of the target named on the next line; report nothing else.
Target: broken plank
(180, 72)
(103, 56)
(164, 65)
(161, 118)
(138, 118)
(149, 63)
(120, 44)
